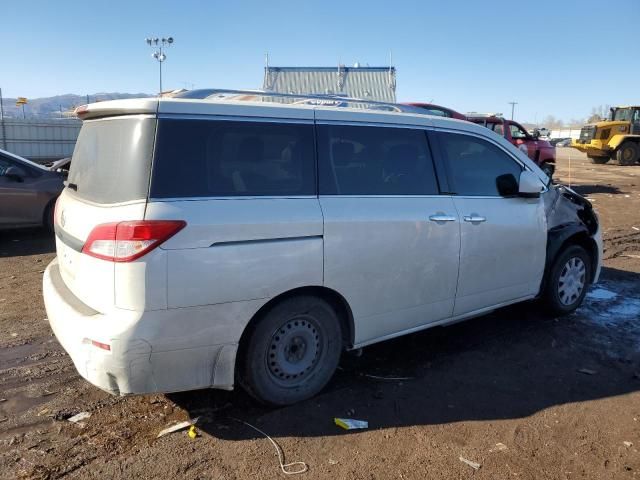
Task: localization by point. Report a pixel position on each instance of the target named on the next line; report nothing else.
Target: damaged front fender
(570, 220)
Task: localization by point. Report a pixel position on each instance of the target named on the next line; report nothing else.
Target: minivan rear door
(391, 242)
(108, 182)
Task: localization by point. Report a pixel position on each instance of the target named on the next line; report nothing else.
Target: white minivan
(204, 241)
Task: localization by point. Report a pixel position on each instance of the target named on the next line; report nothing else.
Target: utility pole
(513, 106)
(160, 44)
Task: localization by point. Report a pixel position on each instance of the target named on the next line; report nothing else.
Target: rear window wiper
(71, 185)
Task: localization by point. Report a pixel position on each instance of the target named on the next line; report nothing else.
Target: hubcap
(627, 153)
(572, 281)
(294, 350)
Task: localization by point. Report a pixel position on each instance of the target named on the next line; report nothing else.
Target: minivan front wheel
(292, 352)
(568, 281)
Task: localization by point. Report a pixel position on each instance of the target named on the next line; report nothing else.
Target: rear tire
(599, 160)
(292, 352)
(628, 153)
(567, 281)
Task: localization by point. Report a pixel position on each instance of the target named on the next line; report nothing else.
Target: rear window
(212, 158)
(112, 159)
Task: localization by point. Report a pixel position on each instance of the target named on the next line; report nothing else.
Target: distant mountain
(48, 107)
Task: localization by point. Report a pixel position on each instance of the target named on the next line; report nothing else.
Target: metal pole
(4, 130)
(23, 117)
(160, 62)
(513, 105)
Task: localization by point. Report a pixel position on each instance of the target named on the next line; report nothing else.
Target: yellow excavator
(617, 138)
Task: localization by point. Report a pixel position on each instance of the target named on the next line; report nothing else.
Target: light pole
(513, 106)
(160, 44)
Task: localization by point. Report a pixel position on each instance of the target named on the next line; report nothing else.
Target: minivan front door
(391, 242)
(503, 246)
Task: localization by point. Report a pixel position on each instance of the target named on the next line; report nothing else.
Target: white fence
(39, 140)
(566, 133)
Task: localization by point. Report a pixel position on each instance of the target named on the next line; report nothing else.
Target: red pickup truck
(540, 151)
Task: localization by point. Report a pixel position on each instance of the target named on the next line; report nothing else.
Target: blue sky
(554, 58)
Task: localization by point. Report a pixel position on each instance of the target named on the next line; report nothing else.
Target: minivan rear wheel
(292, 352)
(568, 281)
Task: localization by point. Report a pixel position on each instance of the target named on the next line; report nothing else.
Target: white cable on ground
(303, 466)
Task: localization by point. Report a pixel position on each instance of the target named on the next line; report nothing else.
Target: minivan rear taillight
(126, 241)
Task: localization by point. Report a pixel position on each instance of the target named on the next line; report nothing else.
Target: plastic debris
(193, 433)
(474, 465)
(177, 427)
(587, 371)
(628, 444)
(500, 447)
(79, 417)
(636, 228)
(350, 423)
(332, 461)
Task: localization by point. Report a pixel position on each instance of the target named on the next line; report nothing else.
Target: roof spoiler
(112, 108)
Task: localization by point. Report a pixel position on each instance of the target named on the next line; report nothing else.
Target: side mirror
(507, 185)
(15, 173)
(536, 134)
(530, 186)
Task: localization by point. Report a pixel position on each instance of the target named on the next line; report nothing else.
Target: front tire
(567, 281)
(628, 153)
(292, 352)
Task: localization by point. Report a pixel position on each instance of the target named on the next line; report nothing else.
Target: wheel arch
(333, 298)
(559, 239)
(618, 140)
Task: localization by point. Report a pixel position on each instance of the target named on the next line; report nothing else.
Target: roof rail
(307, 98)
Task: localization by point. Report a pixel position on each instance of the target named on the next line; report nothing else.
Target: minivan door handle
(474, 218)
(441, 217)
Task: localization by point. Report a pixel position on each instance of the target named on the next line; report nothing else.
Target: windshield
(112, 159)
(622, 115)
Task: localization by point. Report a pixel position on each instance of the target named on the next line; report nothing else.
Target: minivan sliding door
(391, 242)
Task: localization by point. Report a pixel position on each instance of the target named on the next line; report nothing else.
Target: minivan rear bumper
(137, 363)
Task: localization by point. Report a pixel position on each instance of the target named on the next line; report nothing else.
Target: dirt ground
(522, 395)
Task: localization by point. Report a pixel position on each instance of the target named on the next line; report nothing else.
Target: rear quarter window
(112, 159)
(214, 158)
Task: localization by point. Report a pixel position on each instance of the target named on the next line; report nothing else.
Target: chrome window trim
(386, 196)
(233, 118)
(237, 197)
